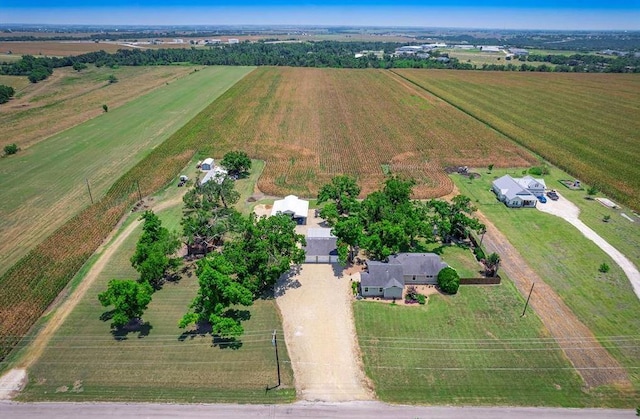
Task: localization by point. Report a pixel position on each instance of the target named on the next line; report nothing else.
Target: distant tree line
(313, 54)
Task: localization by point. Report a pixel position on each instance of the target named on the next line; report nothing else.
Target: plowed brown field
(313, 124)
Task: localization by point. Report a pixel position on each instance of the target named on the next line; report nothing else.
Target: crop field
(68, 98)
(568, 262)
(58, 48)
(586, 124)
(101, 150)
(84, 361)
(312, 124)
(17, 82)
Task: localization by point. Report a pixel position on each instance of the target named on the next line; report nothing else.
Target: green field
(158, 363)
(569, 119)
(569, 263)
(469, 349)
(17, 82)
(100, 151)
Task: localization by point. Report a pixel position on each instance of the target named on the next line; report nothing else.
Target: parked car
(542, 199)
(552, 194)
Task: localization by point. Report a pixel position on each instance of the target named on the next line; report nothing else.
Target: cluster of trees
(584, 62)
(154, 260)
(388, 221)
(310, 54)
(6, 93)
(250, 254)
(35, 69)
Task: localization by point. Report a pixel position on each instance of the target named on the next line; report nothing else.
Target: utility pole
(274, 341)
(527, 303)
(89, 189)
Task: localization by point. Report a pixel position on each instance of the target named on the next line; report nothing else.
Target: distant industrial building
(519, 52)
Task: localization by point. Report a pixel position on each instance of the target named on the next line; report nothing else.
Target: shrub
(604, 268)
(105, 108)
(11, 149)
(354, 288)
(6, 93)
(606, 218)
(421, 299)
(592, 191)
(479, 253)
(449, 280)
(112, 79)
(539, 170)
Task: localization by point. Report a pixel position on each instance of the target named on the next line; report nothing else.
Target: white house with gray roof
(514, 195)
(535, 186)
(387, 279)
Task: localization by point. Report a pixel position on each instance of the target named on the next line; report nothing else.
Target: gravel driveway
(568, 211)
(320, 335)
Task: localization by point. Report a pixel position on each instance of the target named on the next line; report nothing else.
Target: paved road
(297, 410)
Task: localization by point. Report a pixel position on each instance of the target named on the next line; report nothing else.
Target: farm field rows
(68, 98)
(312, 124)
(568, 263)
(104, 150)
(99, 150)
(586, 124)
(84, 361)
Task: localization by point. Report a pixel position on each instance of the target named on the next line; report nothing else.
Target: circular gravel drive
(570, 212)
(320, 335)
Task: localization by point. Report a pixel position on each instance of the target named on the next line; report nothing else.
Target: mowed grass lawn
(569, 263)
(469, 349)
(84, 361)
(44, 186)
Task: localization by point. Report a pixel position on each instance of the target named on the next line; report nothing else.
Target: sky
(495, 14)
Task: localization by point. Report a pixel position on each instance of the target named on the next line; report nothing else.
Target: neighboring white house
(535, 186)
(387, 279)
(291, 205)
(512, 193)
(207, 164)
(322, 246)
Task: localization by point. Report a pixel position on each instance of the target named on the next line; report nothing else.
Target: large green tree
(237, 163)
(264, 250)
(453, 220)
(129, 298)
(342, 194)
(207, 216)
(391, 221)
(153, 256)
(249, 264)
(219, 289)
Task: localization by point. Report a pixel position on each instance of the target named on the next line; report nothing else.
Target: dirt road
(590, 359)
(320, 335)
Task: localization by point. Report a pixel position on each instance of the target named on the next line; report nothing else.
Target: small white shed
(207, 164)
